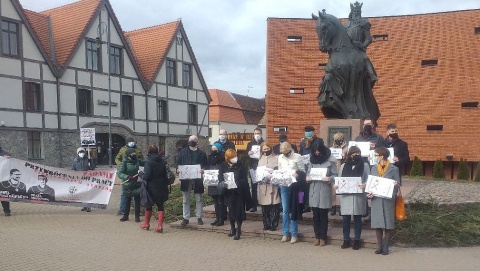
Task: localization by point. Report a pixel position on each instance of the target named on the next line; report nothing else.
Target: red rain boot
(161, 215)
(146, 222)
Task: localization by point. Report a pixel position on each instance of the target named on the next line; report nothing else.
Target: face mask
(131, 144)
(338, 142)
(308, 134)
(257, 137)
(268, 153)
(81, 155)
(234, 160)
(394, 136)
(356, 158)
(192, 143)
(215, 152)
(368, 129)
(222, 137)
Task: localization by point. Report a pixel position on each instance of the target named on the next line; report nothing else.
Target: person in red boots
(155, 175)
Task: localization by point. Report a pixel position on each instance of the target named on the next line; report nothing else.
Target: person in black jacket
(192, 155)
(253, 163)
(283, 138)
(155, 175)
(238, 199)
(82, 163)
(400, 149)
(215, 160)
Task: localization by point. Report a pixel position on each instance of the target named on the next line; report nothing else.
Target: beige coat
(267, 193)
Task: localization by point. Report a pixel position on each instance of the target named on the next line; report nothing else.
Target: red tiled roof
(150, 46)
(408, 94)
(69, 22)
(41, 27)
(235, 108)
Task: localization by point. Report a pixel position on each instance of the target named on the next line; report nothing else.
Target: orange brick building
(428, 67)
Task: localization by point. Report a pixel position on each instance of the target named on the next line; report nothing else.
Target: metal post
(109, 97)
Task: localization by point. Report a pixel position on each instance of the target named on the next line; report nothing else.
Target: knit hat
(80, 150)
(129, 152)
(219, 146)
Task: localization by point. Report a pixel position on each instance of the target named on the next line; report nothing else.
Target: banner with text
(24, 181)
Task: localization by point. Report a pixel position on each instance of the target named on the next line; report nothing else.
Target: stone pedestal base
(349, 127)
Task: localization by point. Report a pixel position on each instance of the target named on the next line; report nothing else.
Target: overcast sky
(229, 36)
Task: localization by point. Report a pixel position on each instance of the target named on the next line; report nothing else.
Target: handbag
(222, 187)
(170, 175)
(400, 214)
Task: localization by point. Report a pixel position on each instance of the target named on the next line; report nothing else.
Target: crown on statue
(356, 6)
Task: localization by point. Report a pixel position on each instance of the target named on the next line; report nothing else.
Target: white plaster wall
(177, 111)
(202, 111)
(50, 97)
(8, 10)
(203, 131)
(139, 105)
(152, 109)
(186, 54)
(127, 123)
(127, 85)
(177, 93)
(84, 78)
(51, 121)
(115, 109)
(162, 91)
(137, 87)
(10, 93)
(114, 82)
(140, 126)
(47, 73)
(152, 127)
(100, 110)
(172, 53)
(68, 77)
(192, 95)
(196, 80)
(12, 119)
(10, 66)
(163, 128)
(92, 33)
(68, 100)
(100, 80)
(34, 120)
(30, 49)
(215, 132)
(69, 122)
(84, 120)
(128, 68)
(32, 70)
(79, 58)
(162, 74)
(178, 129)
(202, 97)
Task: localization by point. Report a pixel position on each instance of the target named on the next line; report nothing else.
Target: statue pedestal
(349, 127)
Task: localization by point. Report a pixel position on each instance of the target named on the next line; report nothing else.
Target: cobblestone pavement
(444, 192)
(45, 237)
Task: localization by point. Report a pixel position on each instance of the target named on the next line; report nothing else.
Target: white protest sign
(87, 136)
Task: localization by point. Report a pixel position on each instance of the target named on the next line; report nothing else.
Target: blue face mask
(308, 134)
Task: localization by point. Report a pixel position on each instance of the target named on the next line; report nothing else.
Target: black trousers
(6, 206)
(271, 216)
(254, 195)
(320, 223)
(220, 207)
(128, 203)
(159, 206)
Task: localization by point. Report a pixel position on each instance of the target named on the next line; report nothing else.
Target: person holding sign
(268, 195)
(192, 155)
(6, 204)
(353, 204)
(324, 165)
(340, 144)
(128, 173)
(383, 209)
(292, 194)
(155, 175)
(215, 160)
(83, 163)
(237, 199)
(253, 149)
(400, 149)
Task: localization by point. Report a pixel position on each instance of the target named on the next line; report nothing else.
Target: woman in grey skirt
(383, 209)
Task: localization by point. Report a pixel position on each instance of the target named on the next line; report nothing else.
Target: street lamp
(102, 28)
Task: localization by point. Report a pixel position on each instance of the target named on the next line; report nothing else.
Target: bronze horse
(346, 89)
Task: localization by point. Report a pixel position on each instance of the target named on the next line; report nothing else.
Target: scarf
(351, 169)
(215, 159)
(381, 169)
(320, 159)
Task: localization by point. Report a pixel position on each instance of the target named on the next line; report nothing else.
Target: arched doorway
(118, 142)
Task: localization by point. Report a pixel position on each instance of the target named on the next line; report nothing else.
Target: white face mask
(81, 155)
(257, 137)
(234, 160)
(131, 144)
(222, 137)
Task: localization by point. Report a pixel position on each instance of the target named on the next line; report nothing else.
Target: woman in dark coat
(237, 199)
(215, 160)
(155, 175)
(128, 173)
(383, 210)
